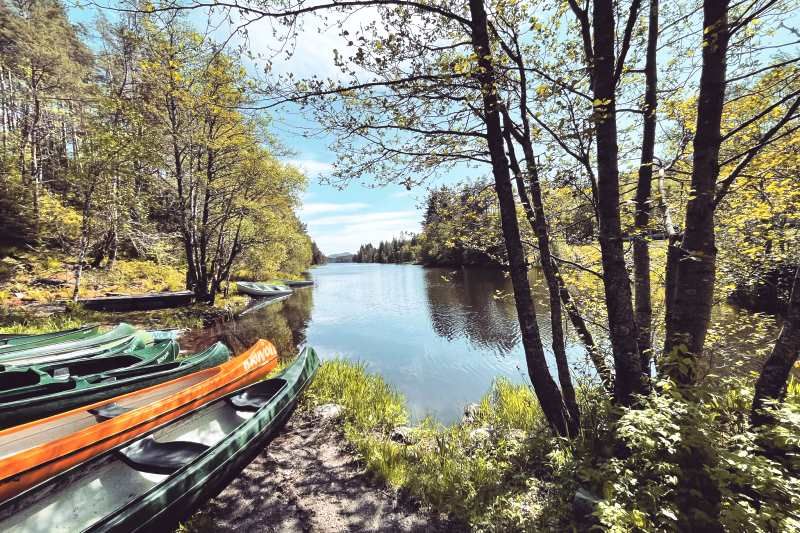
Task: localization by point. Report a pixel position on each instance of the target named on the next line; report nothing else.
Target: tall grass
(477, 472)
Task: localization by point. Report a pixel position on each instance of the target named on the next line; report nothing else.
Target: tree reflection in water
(283, 323)
(478, 305)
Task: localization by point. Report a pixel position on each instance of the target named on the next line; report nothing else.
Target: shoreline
(309, 478)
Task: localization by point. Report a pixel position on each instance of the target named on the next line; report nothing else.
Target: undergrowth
(476, 472)
(655, 468)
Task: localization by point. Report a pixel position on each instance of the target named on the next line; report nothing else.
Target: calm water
(439, 336)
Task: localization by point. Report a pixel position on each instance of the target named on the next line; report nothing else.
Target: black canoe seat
(148, 455)
(109, 411)
(257, 395)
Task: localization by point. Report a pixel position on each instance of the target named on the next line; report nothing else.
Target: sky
(337, 220)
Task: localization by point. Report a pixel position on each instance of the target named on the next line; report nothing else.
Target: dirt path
(306, 480)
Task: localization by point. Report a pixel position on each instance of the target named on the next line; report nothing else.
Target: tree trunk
(84, 240)
(538, 222)
(641, 249)
(771, 384)
(621, 320)
(690, 309)
(543, 384)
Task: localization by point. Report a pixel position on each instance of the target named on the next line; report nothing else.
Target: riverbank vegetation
(659, 131)
(501, 470)
(129, 162)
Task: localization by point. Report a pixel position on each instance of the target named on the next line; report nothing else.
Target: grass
(20, 270)
(481, 473)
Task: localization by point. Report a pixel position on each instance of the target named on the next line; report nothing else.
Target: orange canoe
(33, 452)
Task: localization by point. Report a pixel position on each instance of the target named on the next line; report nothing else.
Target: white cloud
(311, 167)
(363, 218)
(316, 208)
(345, 233)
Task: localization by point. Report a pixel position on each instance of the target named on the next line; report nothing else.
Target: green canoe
(22, 405)
(23, 342)
(151, 483)
(298, 283)
(262, 290)
(18, 379)
(95, 345)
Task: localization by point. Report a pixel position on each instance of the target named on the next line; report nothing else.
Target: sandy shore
(308, 480)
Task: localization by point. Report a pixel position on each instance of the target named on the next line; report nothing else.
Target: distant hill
(344, 257)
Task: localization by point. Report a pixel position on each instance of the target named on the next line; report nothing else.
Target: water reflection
(424, 330)
(477, 305)
(282, 322)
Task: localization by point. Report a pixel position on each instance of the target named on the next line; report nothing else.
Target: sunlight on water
(439, 336)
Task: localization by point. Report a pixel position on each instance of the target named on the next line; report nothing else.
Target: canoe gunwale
(33, 466)
(34, 407)
(202, 488)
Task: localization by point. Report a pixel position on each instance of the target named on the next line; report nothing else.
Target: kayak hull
(262, 290)
(12, 343)
(34, 452)
(125, 381)
(194, 484)
(117, 337)
(139, 302)
(145, 500)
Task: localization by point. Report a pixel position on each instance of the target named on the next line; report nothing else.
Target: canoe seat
(109, 411)
(148, 455)
(257, 395)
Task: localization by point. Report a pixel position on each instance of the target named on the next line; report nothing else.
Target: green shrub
(674, 453)
(370, 404)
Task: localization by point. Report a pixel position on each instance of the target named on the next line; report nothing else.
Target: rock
(584, 504)
(329, 411)
(403, 435)
(471, 413)
(480, 434)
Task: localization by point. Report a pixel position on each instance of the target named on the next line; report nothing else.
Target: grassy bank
(487, 473)
(501, 470)
(30, 282)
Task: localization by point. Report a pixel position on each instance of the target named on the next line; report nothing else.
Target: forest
(638, 159)
(131, 140)
(667, 133)
(460, 227)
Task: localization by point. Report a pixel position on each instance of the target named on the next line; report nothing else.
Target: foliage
(660, 451)
(476, 476)
(369, 402)
(394, 251)
(138, 149)
(460, 227)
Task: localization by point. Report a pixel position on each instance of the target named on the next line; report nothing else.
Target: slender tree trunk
(690, 309)
(83, 245)
(621, 320)
(771, 384)
(536, 218)
(35, 166)
(543, 384)
(641, 248)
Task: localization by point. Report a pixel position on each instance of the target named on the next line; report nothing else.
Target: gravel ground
(308, 480)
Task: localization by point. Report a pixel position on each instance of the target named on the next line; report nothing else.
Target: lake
(439, 336)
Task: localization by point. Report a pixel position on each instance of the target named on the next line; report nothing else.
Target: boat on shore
(154, 481)
(298, 283)
(19, 406)
(139, 302)
(262, 290)
(24, 341)
(36, 451)
(123, 337)
(20, 378)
